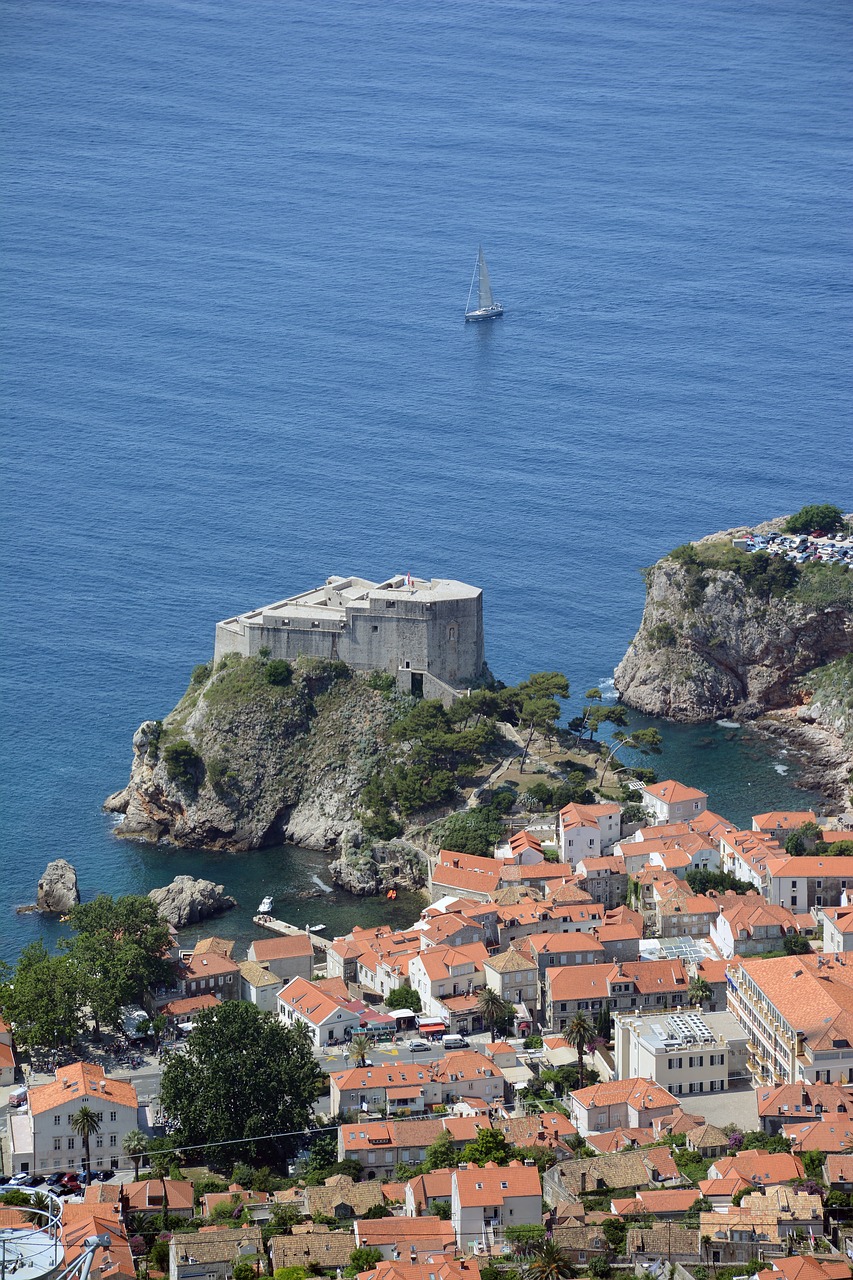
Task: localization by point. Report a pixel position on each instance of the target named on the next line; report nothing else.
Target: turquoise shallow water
(237, 241)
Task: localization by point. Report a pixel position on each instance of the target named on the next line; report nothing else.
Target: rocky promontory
(725, 633)
(258, 753)
(57, 889)
(187, 900)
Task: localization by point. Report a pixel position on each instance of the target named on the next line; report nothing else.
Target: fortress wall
(442, 637)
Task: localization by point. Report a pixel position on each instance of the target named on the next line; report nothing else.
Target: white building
(259, 986)
(327, 1018)
(484, 1202)
(42, 1138)
(672, 802)
(685, 1052)
(837, 929)
(587, 830)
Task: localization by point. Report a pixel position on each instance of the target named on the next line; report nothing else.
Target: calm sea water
(237, 241)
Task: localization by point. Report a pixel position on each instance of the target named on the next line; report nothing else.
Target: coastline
(824, 762)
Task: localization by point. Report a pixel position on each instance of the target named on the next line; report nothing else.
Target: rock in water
(185, 900)
(57, 891)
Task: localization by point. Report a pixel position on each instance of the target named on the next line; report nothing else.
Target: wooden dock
(291, 931)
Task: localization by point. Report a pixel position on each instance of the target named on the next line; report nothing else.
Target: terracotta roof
(585, 981)
(638, 1093)
(829, 1133)
(310, 1001)
(809, 866)
(492, 1184)
(86, 1082)
(80, 1221)
(672, 792)
(208, 964)
(787, 819)
(839, 1168)
(814, 994)
(798, 1103)
(267, 949)
(190, 1004)
(759, 1166)
(148, 1194)
(658, 1202)
(389, 1231)
(441, 1268)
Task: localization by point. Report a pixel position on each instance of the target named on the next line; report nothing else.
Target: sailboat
(487, 308)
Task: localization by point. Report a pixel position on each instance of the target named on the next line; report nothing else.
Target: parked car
(70, 1182)
(24, 1180)
(418, 1046)
(54, 1179)
(103, 1175)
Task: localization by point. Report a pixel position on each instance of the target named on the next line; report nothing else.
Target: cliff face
(713, 643)
(241, 762)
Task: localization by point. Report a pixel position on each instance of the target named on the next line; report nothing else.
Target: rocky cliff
(257, 753)
(720, 640)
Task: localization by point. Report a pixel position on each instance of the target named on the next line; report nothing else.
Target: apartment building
(802, 883)
(484, 1202)
(796, 1011)
(683, 1052)
(327, 1017)
(587, 830)
(748, 925)
(380, 1145)
(672, 802)
(571, 989)
(604, 878)
(42, 1139)
(620, 1104)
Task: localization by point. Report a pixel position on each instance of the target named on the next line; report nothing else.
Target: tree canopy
(41, 998)
(118, 950)
(809, 519)
(243, 1075)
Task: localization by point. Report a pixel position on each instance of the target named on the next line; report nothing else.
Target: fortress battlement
(409, 627)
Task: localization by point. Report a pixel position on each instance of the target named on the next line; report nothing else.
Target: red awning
(431, 1026)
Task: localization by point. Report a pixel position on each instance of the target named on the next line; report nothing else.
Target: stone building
(427, 634)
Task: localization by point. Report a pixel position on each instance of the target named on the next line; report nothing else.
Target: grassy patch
(824, 585)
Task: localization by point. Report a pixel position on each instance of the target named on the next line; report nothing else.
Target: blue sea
(237, 240)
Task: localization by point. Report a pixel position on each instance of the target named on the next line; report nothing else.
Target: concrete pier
(290, 930)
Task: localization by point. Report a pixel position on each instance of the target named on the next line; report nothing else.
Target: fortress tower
(427, 634)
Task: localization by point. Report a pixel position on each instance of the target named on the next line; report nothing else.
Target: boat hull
(487, 313)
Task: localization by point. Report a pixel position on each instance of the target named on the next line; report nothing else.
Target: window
(57, 1144)
(113, 1140)
(57, 1119)
(99, 1116)
(70, 1144)
(112, 1117)
(390, 604)
(99, 1142)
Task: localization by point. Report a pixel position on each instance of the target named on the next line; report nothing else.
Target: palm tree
(135, 1145)
(549, 1262)
(491, 1006)
(37, 1212)
(84, 1123)
(358, 1049)
(579, 1033)
(699, 991)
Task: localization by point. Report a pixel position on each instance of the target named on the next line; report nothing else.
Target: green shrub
(152, 751)
(381, 681)
(661, 636)
(809, 519)
(201, 673)
(183, 763)
(279, 672)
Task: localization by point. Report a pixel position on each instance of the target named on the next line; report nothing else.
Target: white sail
(485, 288)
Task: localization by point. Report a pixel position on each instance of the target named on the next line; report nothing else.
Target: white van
(455, 1042)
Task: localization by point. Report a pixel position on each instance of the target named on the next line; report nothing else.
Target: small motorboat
(266, 907)
(315, 928)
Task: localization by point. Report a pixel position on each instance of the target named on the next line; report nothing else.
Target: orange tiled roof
(82, 1082)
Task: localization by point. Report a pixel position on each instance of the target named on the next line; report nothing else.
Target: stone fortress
(427, 634)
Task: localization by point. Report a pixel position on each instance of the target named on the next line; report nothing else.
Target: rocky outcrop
(380, 868)
(710, 644)
(57, 888)
(245, 761)
(186, 900)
